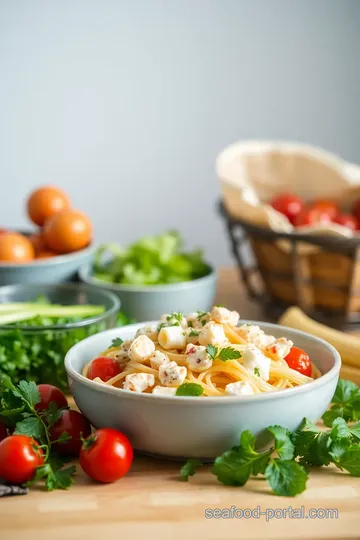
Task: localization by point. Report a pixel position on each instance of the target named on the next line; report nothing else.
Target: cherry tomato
(20, 456)
(299, 360)
(3, 432)
(288, 204)
(15, 247)
(76, 425)
(67, 231)
(105, 368)
(106, 455)
(311, 216)
(50, 393)
(347, 221)
(323, 206)
(356, 209)
(45, 202)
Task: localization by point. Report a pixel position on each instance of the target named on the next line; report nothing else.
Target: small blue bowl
(149, 302)
(56, 269)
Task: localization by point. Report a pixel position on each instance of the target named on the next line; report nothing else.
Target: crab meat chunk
(279, 348)
(222, 315)
(197, 359)
(256, 362)
(164, 391)
(212, 333)
(157, 359)
(171, 374)
(149, 331)
(141, 349)
(239, 388)
(138, 382)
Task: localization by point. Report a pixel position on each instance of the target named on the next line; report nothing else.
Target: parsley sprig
(286, 464)
(227, 353)
(18, 410)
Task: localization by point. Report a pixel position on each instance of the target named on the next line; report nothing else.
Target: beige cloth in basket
(251, 173)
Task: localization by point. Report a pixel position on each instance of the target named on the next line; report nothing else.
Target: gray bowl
(150, 302)
(177, 427)
(53, 270)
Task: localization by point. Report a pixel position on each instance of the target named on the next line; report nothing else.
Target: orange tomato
(46, 254)
(67, 231)
(15, 247)
(37, 242)
(44, 202)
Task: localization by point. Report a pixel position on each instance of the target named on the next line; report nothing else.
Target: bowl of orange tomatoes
(52, 252)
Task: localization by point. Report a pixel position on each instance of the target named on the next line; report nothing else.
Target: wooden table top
(152, 502)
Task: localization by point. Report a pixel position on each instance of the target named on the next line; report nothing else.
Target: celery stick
(16, 317)
(52, 310)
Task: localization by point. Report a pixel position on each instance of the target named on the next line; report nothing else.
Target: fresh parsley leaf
(177, 316)
(257, 371)
(189, 389)
(338, 449)
(285, 477)
(161, 325)
(53, 414)
(64, 477)
(351, 460)
(355, 430)
(339, 429)
(193, 333)
(333, 413)
(212, 351)
(345, 391)
(29, 391)
(228, 354)
(202, 314)
(346, 403)
(117, 342)
(189, 468)
(32, 427)
(233, 468)
(283, 445)
(225, 354)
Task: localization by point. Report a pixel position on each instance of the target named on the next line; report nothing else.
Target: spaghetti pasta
(208, 351)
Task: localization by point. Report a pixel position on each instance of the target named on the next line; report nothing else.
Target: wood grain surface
(151, 502)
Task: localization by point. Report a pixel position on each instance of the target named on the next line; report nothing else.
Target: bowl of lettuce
(154, 275)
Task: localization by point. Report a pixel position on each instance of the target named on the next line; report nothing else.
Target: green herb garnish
(257, 371)
(189, 389)
(189, 468)
(117, 342)
(228, 353)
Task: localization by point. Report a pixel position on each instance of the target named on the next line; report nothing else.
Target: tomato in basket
(288, 204)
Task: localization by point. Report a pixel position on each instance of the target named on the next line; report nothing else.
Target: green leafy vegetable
(117, 342)
(35, 424)
(193, 333)
(152, 260)
(189, 468)
(257, 371)
(286, 477)
(346, 403)
(189, 389)
(228, 353)
(38, 355)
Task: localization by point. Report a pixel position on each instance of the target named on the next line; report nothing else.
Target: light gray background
(125, 104)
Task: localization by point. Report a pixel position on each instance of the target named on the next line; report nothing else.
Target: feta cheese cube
(255, 361)
(212, 333)
(279, 348)
(197, 358)
(222, 315)
(141, 349)
(138, 382)
(172, 337)
(149, 331)
(239, 388)
(171, 374)
(157, 359)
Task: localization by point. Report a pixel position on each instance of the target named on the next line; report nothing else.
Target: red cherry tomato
(299, 360)
(323, 206)
(104, 367)
(3, 432)
(347, 221)
(106, 455)
(76, 425)
(288, 204)
(311, 216)
(20, 456)
(356, 209)
(50, 393)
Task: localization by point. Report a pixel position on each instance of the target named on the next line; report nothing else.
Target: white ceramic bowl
(178, 427)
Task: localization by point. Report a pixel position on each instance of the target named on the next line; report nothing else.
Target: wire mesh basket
(324, 282)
